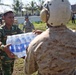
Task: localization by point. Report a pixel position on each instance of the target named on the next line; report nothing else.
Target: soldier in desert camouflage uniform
(53, 52)
(6, 57)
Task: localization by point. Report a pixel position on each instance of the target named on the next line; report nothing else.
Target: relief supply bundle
(19, 43)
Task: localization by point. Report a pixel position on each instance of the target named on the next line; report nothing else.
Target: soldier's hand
(8, 52)
(37, 32)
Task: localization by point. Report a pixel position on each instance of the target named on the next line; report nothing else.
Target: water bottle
(19, 44)
(9, 41)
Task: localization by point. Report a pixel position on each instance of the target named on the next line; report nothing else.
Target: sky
(26, 1)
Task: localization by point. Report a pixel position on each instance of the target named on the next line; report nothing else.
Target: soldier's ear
(44, 14)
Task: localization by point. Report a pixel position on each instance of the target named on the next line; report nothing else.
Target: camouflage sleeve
(19, 31)
(1, 30)
(30, 64)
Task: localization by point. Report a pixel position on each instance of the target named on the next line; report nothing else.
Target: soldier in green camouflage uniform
(7, 29)
(28, 26)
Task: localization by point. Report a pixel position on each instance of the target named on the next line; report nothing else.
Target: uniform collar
(5, 27)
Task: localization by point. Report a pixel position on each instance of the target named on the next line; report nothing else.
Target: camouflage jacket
(4, 32)
(52, 53)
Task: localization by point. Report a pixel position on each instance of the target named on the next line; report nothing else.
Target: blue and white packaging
(19, 43)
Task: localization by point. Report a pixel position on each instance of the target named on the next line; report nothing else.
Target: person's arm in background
(19, 31)
(24, 25)
(32, 26)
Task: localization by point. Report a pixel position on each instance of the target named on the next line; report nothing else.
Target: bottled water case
(19, 43)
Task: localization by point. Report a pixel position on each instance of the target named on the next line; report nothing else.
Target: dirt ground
(19, 67)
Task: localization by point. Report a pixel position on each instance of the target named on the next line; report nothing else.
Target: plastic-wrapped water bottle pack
(19, 43)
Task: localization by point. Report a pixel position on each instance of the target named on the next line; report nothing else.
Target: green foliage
(40, 26)
(17, 5)
(71, 25)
